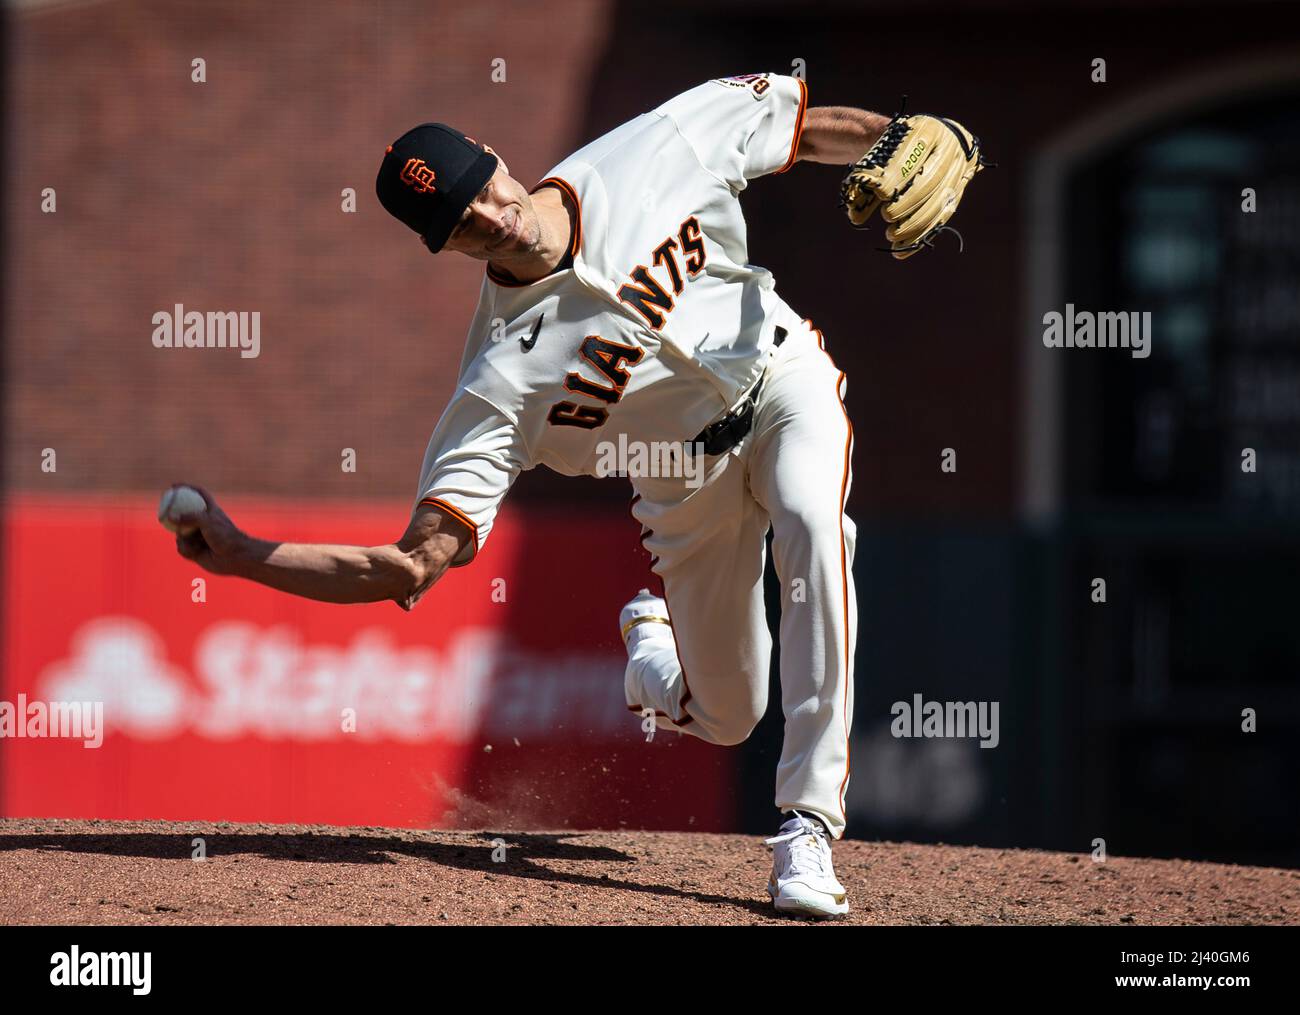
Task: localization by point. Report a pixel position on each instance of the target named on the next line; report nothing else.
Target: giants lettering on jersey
(645, 295)
(608, 359)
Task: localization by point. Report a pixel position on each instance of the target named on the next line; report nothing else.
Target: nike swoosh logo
(531, 340)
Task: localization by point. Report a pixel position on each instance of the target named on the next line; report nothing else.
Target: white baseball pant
(707, 674)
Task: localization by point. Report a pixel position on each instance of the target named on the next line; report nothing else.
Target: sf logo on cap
(418, 175)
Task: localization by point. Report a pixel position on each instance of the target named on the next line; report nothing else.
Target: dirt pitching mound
(146, 872)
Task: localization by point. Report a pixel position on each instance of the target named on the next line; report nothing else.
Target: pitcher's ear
(500, 161)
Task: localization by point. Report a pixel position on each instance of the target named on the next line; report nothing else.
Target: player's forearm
(839, 135)
(333, 573)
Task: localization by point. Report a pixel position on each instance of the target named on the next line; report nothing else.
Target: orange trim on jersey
(844, 576)
(575, 242)
(508, 283)
(461, 517)
(798, 126)
(844, 559)
(641, 708)
(821, 339)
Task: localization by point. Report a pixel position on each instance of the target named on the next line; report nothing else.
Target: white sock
(650, 629)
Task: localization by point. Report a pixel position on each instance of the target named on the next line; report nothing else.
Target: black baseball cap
(429, 176)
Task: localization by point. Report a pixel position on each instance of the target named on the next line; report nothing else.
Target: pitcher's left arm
(839, 135)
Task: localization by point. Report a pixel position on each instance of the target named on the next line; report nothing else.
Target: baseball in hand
(176, 502)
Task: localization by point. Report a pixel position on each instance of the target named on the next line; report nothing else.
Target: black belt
(721, 436)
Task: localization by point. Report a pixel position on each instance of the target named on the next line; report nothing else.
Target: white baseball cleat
(644, 608)
(803, 881)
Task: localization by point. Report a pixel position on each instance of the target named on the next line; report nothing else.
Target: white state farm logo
(265, 681)
(120, 662)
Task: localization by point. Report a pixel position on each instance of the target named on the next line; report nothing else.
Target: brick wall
(226, 196)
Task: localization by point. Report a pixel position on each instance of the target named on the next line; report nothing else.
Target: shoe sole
(806, 902)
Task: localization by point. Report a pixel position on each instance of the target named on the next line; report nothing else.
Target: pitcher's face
(501, 221)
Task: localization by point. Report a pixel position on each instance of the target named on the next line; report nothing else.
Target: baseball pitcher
(619, 311)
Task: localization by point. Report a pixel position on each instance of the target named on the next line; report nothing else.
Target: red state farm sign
(497, 700)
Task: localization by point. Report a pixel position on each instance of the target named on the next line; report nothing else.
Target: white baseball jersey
(659, 327)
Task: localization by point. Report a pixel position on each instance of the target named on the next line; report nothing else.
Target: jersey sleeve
(473, 457)
(742, 127)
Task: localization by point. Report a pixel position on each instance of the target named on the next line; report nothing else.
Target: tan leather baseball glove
(916, 175)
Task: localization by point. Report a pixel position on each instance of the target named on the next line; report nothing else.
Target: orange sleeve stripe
(459, 515)
(798, 126)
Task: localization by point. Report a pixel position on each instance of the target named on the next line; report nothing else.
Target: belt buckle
(722, 434)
